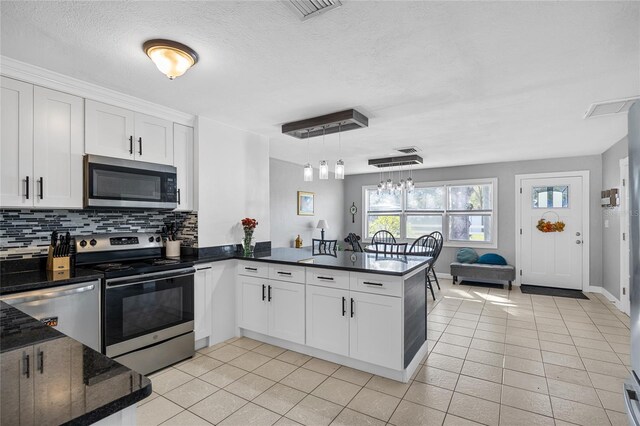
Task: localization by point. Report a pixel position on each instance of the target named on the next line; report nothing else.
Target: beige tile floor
(495, 358)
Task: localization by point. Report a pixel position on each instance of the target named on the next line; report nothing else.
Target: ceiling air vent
(407, 150)
(610, 107)
(306, 9)
(405, 160)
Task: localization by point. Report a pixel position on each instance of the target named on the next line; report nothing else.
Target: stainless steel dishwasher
(72, 309)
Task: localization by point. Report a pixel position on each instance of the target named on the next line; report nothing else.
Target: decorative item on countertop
(171, 244)
(249, 225)
(298, 242)
(548, 226)
(322, 225)
(58, 257)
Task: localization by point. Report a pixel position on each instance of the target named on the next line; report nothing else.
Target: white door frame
(625, 304)
(584, 174)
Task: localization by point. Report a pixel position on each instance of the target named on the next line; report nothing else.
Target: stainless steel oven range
(147, 300)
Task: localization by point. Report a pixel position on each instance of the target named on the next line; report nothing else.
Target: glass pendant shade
(380, 187)
(409, 183)
(323, 170)
(389, 184)
(308, 173)
(339, 169)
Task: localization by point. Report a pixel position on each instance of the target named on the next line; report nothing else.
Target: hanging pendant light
(323, 170)
(339, 171)
(308, 170)
(409, 183)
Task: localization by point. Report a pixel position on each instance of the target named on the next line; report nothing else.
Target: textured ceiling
(465, 82)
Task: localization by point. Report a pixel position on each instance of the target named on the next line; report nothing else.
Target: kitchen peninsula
(362, 310)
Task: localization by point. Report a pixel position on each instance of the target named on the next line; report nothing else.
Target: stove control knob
(93, 242)
(157, 239)
(150, 239)
(83, 243)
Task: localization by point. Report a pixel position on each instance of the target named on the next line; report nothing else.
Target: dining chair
(426, 245)
(324, 245)
(354, 240)
(391, 248)
(440, 239)
(384, 237)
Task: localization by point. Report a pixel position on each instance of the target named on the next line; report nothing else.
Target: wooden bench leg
(455, 279)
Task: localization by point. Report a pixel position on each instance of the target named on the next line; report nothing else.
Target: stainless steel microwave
(122, 184)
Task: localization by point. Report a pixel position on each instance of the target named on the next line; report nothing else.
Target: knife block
(57, 263)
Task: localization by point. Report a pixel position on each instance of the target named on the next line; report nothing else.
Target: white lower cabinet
(328, 319)
(376, 329)
(271, 307)
(203, 301)
(286, 311)
(363, 326)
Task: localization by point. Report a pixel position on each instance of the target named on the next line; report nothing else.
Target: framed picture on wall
(305, 203)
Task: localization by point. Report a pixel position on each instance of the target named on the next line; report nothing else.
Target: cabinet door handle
(269, 293)
(263, 290)
(41, 361)
(370, 283)
(41, 181)
(326, 278)
(140, 141)
(344, 306)
(26, 361)
(131, 144)
(178, 195)
(352, 310)
(246, 268)
(284, 273)
(204, 269)
(26, 192)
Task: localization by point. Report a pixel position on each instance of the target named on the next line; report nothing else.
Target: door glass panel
(418, 225)
(465, 227)
(550, 197)
(150, 311)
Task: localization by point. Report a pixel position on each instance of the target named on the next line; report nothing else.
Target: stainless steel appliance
(72, 309)
(148, 301)
(632, 385)
(116, 183)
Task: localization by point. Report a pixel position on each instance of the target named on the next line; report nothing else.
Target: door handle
(41, 181)
(178, 195)
(577, 234)
(131, 144)
(140, 141)
(269, 294)
(47, 294)
(263, 290)
(25, 362)
(26, 193)
(344, 306)
(352, 310)
(578, 242)
(41, 361)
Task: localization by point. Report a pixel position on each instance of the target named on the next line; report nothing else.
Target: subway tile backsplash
(26, 233)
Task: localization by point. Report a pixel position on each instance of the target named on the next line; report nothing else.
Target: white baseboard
(603, 291)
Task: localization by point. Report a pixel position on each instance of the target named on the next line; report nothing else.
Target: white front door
(552, 259)
(625, 247)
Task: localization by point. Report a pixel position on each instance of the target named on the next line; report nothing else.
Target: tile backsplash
(26, 233)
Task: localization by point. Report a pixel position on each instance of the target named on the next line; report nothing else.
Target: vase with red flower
(249, 226)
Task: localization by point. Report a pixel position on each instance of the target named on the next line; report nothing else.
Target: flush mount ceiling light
(172, 58)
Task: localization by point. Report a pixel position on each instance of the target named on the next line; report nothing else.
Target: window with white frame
(464, 211)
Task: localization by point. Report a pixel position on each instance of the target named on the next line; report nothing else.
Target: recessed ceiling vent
(405, 160)
(610, 107)
(307, 9)
(408, 150)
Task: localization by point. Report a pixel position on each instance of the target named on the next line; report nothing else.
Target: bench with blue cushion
(483, 271)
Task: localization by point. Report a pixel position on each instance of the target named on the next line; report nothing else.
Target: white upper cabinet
(16, 144)
(121, 133)
(154, 139)
(109, 130)
(58, 142)
(183, 160)
(42, 147)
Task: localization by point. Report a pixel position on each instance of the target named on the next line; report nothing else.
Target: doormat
(552, 291)
(481, 284)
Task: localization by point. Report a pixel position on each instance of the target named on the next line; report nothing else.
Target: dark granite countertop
(94, 386)
(375, 263)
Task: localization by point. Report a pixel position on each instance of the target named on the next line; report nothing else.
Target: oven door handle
(145, 278)
(33, 296)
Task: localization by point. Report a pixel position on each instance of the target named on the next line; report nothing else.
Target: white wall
(285, 182)
(232, 169)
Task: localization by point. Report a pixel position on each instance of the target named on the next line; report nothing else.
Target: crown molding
(18, 70)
